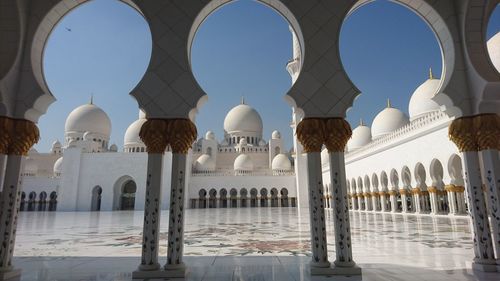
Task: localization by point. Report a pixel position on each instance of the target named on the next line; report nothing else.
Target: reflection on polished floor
(244, 244)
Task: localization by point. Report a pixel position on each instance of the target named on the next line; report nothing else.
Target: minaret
(300, 163)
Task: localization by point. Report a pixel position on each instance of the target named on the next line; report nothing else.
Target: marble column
(23, 135)
(360, 201)
(488, 136)
(337, 134)
(3, 161)
(310, 133)
(433, 193)
(375, 200)
(181, 134)
(368, 201)
(417, 205)
(383, 201)
(462, 133)
(460, 197)
(153, 134)
(404, 203)
(452, 200)
(354, 201)
(394, 201)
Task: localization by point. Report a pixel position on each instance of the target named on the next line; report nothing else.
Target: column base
(158, 274)
(10, 275)
(175, 270)
(348, 271)
(484, 267)
(336, 270)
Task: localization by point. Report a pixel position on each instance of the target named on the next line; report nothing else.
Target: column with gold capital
(337, 133)
(310, 133)
(5, 124)
(23, 134)
(181, 133)
(154, 135)
(462, 133)
(487, 129)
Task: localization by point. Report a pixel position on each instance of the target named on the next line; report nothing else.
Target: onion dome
(205, 163)
(361, 136)
(493, 46)
(243, 119)
(281, 163)
(243, 163)
(210, 135)
(276, 135)
(132, 140)
(421, 101)
(56, 144)
(132, 134)
(88, 118)
(58, 167)
(387, 121)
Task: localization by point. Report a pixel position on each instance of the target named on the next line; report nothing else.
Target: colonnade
(433, 201)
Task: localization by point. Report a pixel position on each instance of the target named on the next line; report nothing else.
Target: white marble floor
(244, 244)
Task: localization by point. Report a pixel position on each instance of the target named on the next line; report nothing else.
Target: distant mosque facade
(399, 164)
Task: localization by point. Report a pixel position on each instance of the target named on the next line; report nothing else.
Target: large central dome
(243, 118)
(88, 118)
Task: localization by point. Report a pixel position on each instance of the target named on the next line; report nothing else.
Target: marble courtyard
(244, 244)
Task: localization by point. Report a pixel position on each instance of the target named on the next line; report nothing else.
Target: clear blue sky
(241, 50)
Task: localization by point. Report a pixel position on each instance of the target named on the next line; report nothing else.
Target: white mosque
(399, 164)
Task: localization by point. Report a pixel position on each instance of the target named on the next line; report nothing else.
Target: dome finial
(430, 73)
(91, 98)
(389, 105)
(361, 123)
(242, 100)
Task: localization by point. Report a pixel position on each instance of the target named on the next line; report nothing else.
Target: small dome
(204, 163)
(210, 135)
(33, 151)
(243, 118)
(58, 166)
(421, 101)
(493, 46)
(361, 136)
(132, 134)
(243, 163)
(243, 142)
(276, 135)
(56, 144)
(113, 148)
(142, 114)
(281, 162)
(88, 118)
(387, 121)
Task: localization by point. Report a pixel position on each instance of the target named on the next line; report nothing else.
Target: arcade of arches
(468, 92)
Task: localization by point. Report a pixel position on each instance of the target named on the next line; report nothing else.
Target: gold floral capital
(487, 129)
(403, 191)
(337, 133)
(461, 132)
(181, 133)
(24, 135)
(393, 192)
(311, 134)
(154, 135)
(432, 189)
(6, 125)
